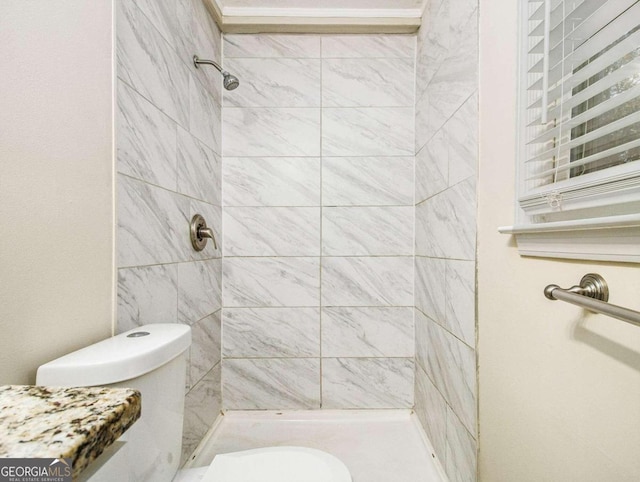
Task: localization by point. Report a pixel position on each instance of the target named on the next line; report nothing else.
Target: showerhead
(230, 82)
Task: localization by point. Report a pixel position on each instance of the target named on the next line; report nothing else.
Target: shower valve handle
(200, 233)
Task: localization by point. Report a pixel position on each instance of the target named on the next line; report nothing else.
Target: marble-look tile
(274, 83)
(422, 324)
(367, 83)
(367, 131)
(199, 35)
(367, 332)
(271, 132)
(432, 167)
(205, 347)
(432, 43)
(452, 366)
(454, 82)
(271, 332)
(198, 290)
(462, 139)
(146, 144)
(430, 287)
(253, 282)
(201, 408)
(213, 216)
(367, 382)
(272, 45)
(146, 62)
(151, 223)
(461, 451)
(205, 116)
(162, 15)
(361, 181)
(431, 410)
(147, 295)
(285, 181)
(271, 383)
(363, 281)
(270, 231)
(446, 223)
(460, 305)
(368, 46)
(353, 231)
(199, 168)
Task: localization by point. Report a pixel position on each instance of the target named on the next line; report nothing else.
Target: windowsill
(614, 238)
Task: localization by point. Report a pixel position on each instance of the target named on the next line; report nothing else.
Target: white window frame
(607, 225)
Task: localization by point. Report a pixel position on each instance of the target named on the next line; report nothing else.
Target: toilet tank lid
(119, 358)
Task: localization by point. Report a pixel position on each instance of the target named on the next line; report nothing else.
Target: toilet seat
(277, 464)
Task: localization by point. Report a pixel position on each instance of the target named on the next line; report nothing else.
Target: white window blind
(580, 109)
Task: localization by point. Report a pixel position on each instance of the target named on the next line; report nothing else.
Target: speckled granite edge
(76, 423)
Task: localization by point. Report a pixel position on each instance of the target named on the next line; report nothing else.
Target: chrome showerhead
(230, 82)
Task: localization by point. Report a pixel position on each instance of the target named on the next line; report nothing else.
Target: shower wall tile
(431, 409)
(430, 281)
(271, 383)
(271, 332)
(162, 15)
(367, 181)
(204, 112)
(272, 45)
(460, 316)
(353, 231)
(168, 143)
(271, 132)
(368, 46)
(275, 83)
(460, 451)
(150, 223)
(147, 295)
(276, 181)
(367, 332)
(358, 83)
(146, 146)
(201, 408)
(462, 136)
(205, 348)
(318, 185)
(367, 281)
(199, 169)
(146, 62)
(254, 282)
(199, 290)
(445, 223)
(446, 146)
(432, 167)
(452, 366)
(367, 382)
(271, 231)
(371, 131)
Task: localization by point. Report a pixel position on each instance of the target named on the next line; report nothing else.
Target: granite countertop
(54, 422)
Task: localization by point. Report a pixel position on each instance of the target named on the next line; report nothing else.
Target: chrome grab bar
(592, 293)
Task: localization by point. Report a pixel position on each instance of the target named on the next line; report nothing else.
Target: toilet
(153, 360)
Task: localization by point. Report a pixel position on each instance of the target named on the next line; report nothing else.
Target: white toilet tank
(153, 360)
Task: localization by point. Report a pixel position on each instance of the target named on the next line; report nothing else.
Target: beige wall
(559, 387)
(56, 180)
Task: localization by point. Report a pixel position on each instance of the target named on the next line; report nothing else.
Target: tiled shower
(346, 271)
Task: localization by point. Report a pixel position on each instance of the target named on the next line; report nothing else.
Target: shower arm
(197, 60)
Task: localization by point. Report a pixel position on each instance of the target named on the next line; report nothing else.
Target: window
(579, 114)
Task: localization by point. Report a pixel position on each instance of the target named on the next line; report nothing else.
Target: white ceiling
(314, 8)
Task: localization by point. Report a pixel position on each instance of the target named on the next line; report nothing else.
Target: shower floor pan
(376, 445)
